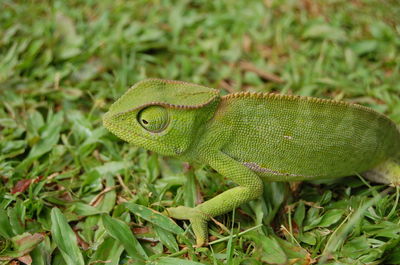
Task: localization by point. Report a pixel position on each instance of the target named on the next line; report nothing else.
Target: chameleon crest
(254, 137)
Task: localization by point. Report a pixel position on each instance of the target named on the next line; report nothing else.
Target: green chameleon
(254, 137)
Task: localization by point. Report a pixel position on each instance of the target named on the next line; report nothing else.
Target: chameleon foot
(196, 218)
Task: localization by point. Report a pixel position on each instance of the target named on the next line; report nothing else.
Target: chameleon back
(284, 137)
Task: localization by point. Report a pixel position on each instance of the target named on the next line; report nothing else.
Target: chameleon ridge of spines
(168, 105)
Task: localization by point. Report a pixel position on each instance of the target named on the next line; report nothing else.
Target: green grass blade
(174, 261)
(65, 238)
(121, 232)
(5, 226)
(110, 250)
(167, 238)
(154, 217)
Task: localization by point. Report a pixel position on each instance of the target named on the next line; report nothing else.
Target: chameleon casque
(254, 137)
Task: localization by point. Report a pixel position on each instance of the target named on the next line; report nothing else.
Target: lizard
(252, 137)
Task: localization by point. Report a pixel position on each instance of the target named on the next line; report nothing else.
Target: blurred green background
(62, 63)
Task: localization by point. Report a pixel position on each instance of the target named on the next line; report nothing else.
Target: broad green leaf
(110, 250)
(71, 41)
(17, 217)
(270, 249)
(108, 202)
(154, 217)
(294, 252)
(324, 31)
(58, 259)
(331, 217)
(308, 238)
(299, 214)
(364, 46)
(394, 257)
(34, 123)
(173, 261)
(356, 247)
(5, 227)
(40, 255)
(383, 229)
(274, 195)
(65, 238)
(83, 209)
(167, 238)
(105, 205)
(121, 232)
(49, 137)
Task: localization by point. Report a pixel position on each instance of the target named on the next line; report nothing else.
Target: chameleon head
(160, 115)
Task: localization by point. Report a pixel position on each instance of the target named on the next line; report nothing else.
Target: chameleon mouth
(111, 123)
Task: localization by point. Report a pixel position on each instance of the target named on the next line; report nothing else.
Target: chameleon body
(254, 137)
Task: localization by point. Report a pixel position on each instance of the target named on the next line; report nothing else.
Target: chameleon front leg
(250, 187)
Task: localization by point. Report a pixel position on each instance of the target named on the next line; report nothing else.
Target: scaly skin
(251, 137)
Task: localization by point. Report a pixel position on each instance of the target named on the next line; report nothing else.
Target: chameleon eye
(153, 118)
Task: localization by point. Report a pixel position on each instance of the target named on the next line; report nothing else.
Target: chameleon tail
(388, 172)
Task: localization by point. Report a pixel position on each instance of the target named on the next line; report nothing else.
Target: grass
(71, 193)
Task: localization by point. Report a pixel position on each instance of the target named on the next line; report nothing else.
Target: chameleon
(253, 137)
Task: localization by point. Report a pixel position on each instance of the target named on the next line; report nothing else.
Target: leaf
(364, 46)
(25, 259)
(121, 232)
(5, 226)
(25, 242)
(295, 254)
(22, 245)
(384, 229)
(154, 217)
(324, 31)
(8, 123)
(274, 196)
(110, 250)
(70, 41)
(331, 217)
(356, 247)
(272, 251)
(394, 257)
(299, 214)
(173, 261)
(35, 121)
(65, 238)
(112, 167)
(268, 248)
(166, 238)
(21, 185)
(108, 202)
(40, 255)
(48, 139)
(83, 209)
(308, 238)
(17, 217)
(12, 146)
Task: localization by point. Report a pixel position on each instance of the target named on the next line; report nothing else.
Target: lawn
(72, 193)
